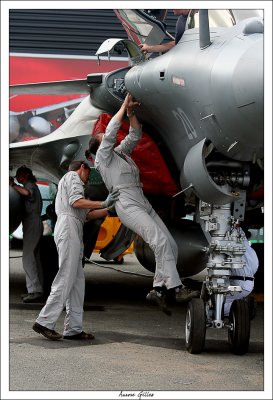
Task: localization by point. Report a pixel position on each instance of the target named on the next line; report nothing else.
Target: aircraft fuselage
(189, 94)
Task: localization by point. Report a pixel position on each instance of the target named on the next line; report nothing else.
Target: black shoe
(170, 297)
(80, 336)
(33, 298)
(160, 300)
(48, 333)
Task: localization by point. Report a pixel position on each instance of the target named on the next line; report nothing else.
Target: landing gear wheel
(195, 326)
(252, 306)
(238, 337)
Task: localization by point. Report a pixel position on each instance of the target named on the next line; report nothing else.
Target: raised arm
(134, 123)
(105, 151)
(128, 105)
(128, 144)
(20, 189)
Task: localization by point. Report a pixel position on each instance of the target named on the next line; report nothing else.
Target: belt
(242, 278)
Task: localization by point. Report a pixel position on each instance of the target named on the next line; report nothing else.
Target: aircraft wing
(52, 111)
(49, 156)
(76, 86)
(41, 121)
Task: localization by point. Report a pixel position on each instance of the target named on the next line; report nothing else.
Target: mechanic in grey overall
(243, 277)
(68, 287)
(32, 232)
(119, 171)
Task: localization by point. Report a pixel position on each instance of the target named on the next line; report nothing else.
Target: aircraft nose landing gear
(225, 250)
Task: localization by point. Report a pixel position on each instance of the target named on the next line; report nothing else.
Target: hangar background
(67, 31)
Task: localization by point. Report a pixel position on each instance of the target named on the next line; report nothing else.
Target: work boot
(186, 294)
(170, 297)
(48, 333)
(159, 299)
(80, 336)
(33, 297)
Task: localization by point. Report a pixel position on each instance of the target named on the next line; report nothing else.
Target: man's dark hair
(76, 164)
(94, 144)
(25, 170)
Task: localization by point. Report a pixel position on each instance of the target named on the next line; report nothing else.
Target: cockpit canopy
(147, 26)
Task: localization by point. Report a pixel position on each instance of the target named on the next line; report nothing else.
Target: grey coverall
(68, 286)
(32, 232)
(132, 207)
(251, 260)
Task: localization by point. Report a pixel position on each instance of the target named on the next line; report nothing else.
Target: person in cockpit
(179, 30)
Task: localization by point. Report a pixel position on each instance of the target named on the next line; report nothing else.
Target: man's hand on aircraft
(129, 104)
(145, 48)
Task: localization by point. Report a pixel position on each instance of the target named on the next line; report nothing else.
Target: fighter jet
(202, 106)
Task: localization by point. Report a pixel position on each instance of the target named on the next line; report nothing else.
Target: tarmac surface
(138, 351)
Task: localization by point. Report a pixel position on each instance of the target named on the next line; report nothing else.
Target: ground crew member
(119, 171)
(68, 287)
(32, 232)
(243, 277)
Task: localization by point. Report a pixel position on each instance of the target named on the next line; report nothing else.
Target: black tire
(238, 338)
(195, 329)
(252, 306)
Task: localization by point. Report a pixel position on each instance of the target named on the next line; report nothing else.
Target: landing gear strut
(225, 250)
(221, 184)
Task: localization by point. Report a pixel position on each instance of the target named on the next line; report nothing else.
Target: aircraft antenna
(204, 33)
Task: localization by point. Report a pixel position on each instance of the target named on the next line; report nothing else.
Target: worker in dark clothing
(32, 232)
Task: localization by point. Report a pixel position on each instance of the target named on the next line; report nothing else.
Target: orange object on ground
(107, 231)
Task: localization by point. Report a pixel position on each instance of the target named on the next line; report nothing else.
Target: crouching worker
(243, 277)
(68, 287)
